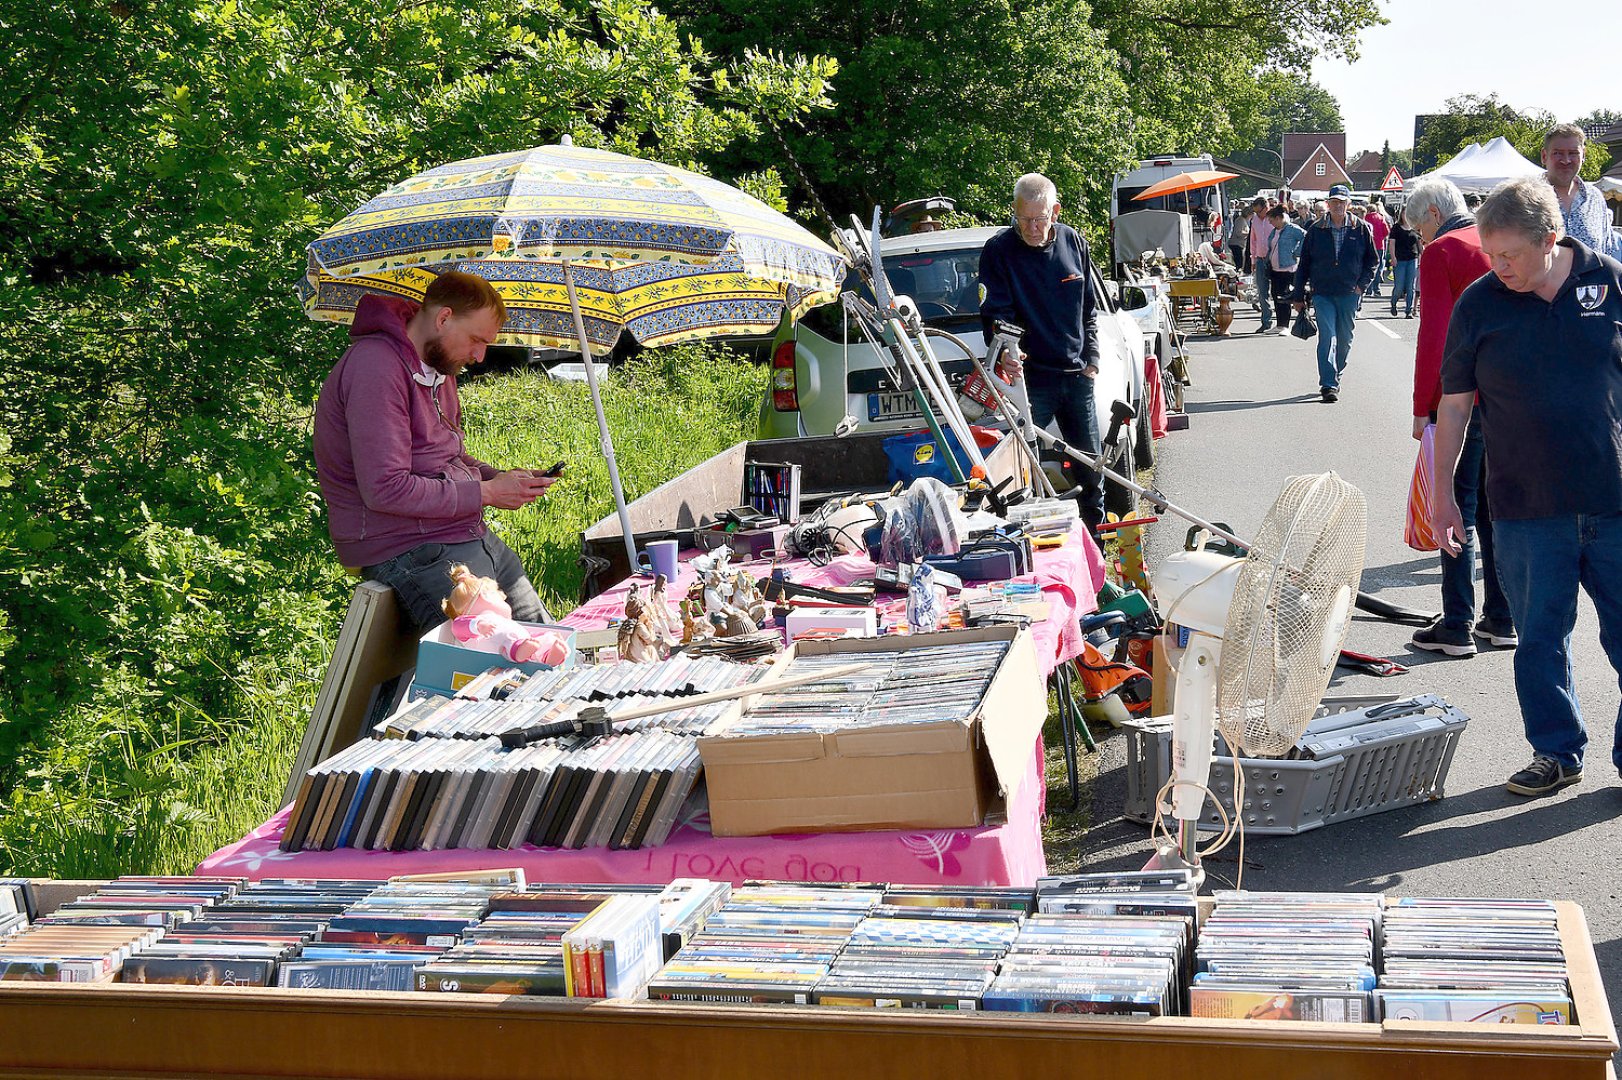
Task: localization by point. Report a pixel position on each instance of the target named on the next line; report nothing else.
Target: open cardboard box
(946, 775)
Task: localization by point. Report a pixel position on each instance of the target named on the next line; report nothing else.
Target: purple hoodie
(392, 467)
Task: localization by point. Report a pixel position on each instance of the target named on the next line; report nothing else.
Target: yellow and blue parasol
(581, 244)
(660, 251)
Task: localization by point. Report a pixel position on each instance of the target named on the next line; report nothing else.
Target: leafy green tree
(1204, 75)
(938, 97)
(162, 546)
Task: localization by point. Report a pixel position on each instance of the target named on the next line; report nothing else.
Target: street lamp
(1280, 157)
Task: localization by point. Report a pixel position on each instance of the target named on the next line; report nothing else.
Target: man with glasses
(405, 500)
(1039, 276)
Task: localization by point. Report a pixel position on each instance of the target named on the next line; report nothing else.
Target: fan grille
(1289, 614)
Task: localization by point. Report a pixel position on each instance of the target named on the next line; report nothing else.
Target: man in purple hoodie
(405, 500)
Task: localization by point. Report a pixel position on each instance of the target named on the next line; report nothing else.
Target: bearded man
(405, 500)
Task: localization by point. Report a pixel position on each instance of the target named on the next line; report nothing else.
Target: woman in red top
(1451, 261)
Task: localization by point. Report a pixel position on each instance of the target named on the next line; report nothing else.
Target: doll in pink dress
(482, 619)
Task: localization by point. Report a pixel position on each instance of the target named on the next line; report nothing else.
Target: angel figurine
(638, 642)
(664, 621)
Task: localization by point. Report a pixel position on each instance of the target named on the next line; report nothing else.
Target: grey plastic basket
(1359, 756)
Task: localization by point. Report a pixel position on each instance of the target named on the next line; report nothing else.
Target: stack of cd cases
(1287, 956)
(768, 944)
(1473, 960)
(440, 776)
(927, 685)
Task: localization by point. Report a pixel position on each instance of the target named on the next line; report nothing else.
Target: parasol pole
(607, 441)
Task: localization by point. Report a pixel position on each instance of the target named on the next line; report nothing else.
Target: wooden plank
(375, 643)
(153, 1031)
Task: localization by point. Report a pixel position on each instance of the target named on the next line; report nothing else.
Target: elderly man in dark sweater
(1038, 275)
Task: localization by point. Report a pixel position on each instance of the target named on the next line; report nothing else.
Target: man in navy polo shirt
(1540, 340)
(1039, 275)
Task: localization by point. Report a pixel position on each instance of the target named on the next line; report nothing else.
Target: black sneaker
(1329, 396)
(1499, 632)
(1438, 638)
(1543, 776)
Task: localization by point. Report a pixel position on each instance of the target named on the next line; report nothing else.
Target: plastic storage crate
(1355, 759)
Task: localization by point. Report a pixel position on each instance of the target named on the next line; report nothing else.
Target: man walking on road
(1039, 275)
(1380, 227)
(1260, 233)
(1337, 263)
(1540, 340)
(1452, 261)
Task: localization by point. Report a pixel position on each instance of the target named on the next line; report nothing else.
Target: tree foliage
(1204, 75)
(937, 97)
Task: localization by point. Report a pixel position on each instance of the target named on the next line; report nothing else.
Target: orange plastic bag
(1417, 532)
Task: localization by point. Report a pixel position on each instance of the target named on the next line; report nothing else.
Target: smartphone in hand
(556, 470)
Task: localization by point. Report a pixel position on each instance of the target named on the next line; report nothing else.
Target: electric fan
(1265, 633)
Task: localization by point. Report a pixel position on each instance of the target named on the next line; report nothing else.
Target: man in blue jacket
(1337, 262)
(1039, 275)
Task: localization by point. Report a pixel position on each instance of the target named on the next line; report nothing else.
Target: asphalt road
(1255, 419)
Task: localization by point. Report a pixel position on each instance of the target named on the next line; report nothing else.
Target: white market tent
(1481, 168)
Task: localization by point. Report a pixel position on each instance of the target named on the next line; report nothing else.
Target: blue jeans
(1264, 283)
(1379, 272)
(421, 578)
(1402, 285)
(1336, 316)
(1459, 572)
(1068, 397)
(1541, 562)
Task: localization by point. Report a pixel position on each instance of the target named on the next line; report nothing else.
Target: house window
(1321, 169)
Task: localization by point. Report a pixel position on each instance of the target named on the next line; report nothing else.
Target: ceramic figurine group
(723, 603)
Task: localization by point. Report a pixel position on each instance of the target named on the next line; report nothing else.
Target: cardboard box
(445, 665)
(918, 776)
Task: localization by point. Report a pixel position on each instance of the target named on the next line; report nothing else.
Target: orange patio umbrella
(1187, 181)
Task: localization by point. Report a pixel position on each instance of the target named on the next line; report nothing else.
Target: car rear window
(944, 284)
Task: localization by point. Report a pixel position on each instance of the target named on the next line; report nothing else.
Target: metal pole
(606, 440)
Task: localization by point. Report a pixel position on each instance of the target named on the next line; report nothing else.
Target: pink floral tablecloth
(1009, 853)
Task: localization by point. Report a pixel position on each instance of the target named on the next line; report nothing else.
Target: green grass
(667, 411)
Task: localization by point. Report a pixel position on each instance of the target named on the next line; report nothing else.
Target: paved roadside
(1255, 419)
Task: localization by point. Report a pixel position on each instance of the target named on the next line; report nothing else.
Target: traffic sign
(1393, 180)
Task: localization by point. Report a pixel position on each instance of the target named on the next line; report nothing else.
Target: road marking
(1386, 330)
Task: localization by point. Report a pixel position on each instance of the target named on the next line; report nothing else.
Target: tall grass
(667, 411)
(138, 780)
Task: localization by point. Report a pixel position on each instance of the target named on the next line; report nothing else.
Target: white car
(827, 377)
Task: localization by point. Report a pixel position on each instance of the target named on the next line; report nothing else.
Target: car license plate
(892, 406)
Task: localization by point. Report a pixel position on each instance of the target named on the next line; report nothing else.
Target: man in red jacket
(405, 500)
(1451, 261)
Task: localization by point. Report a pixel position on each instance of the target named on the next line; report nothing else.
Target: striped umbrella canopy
(662, 252)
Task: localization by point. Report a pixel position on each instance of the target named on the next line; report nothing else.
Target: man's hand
(1448, 523)
(1420, 424)
(1090, 371)
(512, 489)
(1011, 368)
